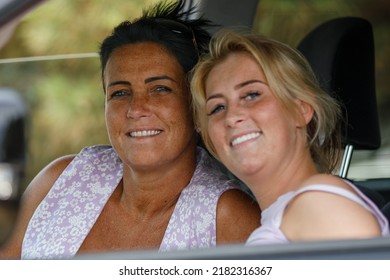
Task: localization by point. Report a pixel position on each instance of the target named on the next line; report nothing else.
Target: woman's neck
(268, 187)
(158, 188)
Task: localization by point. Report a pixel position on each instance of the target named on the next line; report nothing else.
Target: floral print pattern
(65, 216)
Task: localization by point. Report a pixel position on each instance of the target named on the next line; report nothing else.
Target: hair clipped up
(175, 11)
(166, 23)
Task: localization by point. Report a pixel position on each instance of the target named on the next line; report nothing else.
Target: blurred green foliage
(65, 97)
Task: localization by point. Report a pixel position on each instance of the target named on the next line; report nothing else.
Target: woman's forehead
(143, 58)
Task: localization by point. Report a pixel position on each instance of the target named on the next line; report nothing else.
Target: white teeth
(245, 138)
(144, 133)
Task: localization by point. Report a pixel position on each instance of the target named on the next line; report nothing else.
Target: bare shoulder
(44, 180)
(325, 215)
(326, 179)
(32, 197)
(238, 215)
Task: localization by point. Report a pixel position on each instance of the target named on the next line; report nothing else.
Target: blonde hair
(289, 77)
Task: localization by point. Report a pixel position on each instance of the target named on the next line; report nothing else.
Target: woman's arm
(319, 215)
(238, 215)
(32, 197)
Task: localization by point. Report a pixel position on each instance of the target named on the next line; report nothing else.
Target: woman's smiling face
(247, 125)
(148, 115)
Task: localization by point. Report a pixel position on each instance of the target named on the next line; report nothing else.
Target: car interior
(341, 52)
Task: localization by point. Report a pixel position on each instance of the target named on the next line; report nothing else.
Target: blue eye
(216, 109)
(252, 95)
(118, 93)
(162, 89)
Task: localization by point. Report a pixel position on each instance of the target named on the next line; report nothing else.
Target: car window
(53, 65)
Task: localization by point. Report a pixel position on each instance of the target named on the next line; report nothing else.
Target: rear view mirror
(12, 158)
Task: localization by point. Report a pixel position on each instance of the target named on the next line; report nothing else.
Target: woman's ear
(305, 111)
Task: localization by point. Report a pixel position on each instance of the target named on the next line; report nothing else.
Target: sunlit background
(64, 97)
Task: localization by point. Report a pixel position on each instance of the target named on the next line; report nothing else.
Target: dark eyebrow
(164, 77)
(240, 85)
(148, 80)
(119, 83)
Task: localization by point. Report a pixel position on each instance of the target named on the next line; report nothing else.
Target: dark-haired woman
(153, 187)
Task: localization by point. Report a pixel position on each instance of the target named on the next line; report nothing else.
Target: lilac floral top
(271, 218)
(65, 216)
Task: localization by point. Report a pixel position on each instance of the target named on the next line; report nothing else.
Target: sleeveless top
(65, 216)
(271, 218)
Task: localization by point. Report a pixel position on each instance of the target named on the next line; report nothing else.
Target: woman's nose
(138, 106)
(234, 115)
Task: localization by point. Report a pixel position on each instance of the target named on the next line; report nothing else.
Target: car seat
(386, 210)
(341, 53)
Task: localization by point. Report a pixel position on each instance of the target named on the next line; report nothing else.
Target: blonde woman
(262, 113)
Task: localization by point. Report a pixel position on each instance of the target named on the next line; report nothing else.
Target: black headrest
(341, 53)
